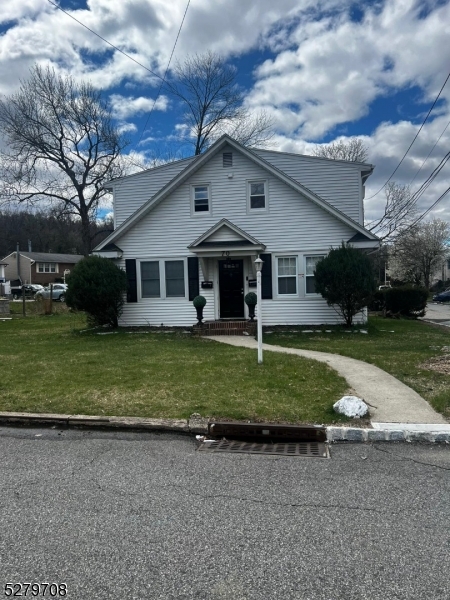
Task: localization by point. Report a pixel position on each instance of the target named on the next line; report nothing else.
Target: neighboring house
(197, 226)
(39, 267)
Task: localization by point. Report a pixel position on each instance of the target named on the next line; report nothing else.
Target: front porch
(226, 327)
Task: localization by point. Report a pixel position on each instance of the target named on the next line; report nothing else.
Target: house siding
(338, 183)
(292, 225)
(131, 193)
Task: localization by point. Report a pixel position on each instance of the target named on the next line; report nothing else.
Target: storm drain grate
(307, 449)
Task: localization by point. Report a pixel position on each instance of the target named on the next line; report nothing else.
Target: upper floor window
(200, 198)
(47, 268)
(310, 267)
(257, 195)
(287, 275)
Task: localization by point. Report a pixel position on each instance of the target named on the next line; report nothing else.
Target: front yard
(53, 364)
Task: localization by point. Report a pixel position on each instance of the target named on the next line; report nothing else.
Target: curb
(198, 425)
(195, 424)
(354, 434)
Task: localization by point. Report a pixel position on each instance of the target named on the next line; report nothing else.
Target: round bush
(251, 299)
(97, 287)
(199, 301)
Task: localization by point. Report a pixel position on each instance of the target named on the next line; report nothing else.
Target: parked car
(58, 292)
(442, 297)
(29, 289)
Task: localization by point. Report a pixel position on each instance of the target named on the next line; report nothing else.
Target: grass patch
(53, 364)
(399, 347)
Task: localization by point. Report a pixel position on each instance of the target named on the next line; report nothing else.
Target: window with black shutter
(130, 269)
(194, 288)
(266, 277)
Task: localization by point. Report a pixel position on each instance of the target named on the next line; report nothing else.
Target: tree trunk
(85, 233)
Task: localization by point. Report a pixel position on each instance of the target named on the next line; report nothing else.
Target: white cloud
(339, 67)
(124, 107)
(127, 128)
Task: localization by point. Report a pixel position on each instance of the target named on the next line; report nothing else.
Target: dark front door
(231, 289)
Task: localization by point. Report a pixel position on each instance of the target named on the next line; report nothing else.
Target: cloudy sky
(323, 69)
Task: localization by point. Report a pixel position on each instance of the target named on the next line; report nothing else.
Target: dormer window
(200, 199)
(257, 196)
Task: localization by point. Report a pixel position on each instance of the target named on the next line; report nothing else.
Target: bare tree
(354, 150)
(213, 103)
(63, 146)
(399, 211)
(420, 250)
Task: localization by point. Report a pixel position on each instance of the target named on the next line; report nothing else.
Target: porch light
(258, 266)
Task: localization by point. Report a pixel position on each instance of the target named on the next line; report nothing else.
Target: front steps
(242, 327)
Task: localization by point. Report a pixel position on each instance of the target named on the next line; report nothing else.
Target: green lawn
(399, 347)
(53, 364)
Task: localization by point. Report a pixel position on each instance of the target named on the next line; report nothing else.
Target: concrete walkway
(390, 400)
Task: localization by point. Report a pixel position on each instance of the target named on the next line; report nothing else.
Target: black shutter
(130, 268)
(266, 277)
(194, 288)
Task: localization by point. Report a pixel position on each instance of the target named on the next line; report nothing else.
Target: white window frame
(250, 210)
(162, 278)
(311, 255)
(287, 255)
(41, 265)
(195, 213)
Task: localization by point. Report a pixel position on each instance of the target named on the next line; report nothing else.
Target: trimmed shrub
(251, 299)
(378, 301)
(199, 301)
(97, 287)
(345, 279)
(405, 301)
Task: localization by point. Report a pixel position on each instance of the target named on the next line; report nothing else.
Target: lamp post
(258, 265)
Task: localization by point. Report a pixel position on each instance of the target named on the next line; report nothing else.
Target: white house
(197, 226)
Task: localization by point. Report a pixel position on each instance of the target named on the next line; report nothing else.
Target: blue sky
(323, 71)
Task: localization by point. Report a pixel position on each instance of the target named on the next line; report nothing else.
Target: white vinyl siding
(295, 226)
(337, 182)
(131, 192)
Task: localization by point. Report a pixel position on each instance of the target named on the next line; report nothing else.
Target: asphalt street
(146, 516)
(438, 313)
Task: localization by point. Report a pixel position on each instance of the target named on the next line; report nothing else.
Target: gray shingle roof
(51, 257)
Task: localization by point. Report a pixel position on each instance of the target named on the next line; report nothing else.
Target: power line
(105, 40)
(435, 203)
(429, 153)
(415, 137)
(165, 73)
(163, 79)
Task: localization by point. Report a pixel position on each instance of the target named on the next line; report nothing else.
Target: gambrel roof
(201, 160)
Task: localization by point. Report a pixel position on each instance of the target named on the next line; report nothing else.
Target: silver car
(58, 292)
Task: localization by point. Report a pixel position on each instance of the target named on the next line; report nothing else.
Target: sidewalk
(390, 400)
